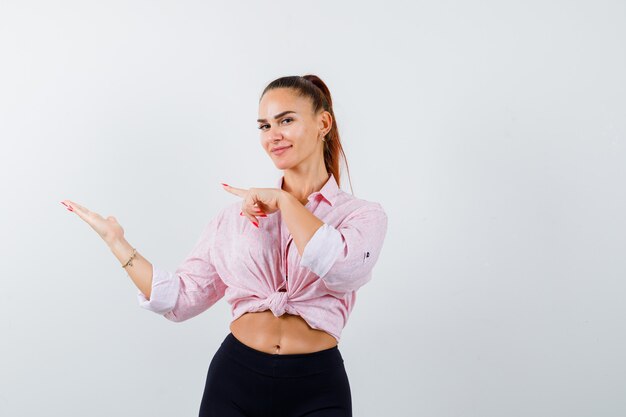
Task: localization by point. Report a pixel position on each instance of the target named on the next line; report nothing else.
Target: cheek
(300, 134)
(265, 142)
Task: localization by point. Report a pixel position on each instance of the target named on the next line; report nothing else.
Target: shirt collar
(329, 191)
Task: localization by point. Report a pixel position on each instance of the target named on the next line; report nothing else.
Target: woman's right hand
(108, 229)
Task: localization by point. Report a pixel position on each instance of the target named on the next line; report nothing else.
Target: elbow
(346, 282)
(180, 312)
(171, 316)
(185, 310)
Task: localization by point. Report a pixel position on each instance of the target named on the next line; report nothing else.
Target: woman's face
(287, 120)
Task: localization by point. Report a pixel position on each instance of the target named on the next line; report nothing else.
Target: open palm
(107, 228)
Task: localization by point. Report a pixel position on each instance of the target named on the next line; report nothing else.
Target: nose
(275, 137)
(272, 136)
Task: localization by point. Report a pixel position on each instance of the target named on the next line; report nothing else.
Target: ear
(325, 121)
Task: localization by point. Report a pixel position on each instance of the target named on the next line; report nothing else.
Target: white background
(493, 133)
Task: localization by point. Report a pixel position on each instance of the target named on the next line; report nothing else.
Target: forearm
(302, 224)
(141, 270)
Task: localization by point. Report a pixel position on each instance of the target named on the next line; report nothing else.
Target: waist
(280, 366)
(287, 334)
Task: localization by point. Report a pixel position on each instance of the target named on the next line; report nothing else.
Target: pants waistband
(279, 365)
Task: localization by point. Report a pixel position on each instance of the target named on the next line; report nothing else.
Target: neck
(302, 184)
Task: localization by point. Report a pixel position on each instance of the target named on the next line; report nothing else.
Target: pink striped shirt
(260, 269)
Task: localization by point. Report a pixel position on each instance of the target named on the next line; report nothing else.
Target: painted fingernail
(255, 224)
(226, 185)
(241, 213)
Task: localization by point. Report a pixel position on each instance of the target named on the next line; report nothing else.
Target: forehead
(281, 99)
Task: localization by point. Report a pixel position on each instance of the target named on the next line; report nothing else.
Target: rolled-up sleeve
(164, 293)
(192, 288)
(343, 257)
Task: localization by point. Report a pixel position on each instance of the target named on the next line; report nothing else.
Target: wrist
(283, 197)
(118, 244)
(122, 250)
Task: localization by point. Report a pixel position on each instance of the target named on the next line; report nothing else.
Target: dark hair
(315, 89)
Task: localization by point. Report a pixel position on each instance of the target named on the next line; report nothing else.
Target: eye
(285, 119)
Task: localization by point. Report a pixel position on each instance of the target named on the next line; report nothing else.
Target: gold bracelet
(130, 261)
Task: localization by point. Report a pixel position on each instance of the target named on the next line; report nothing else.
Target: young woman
(289, 260)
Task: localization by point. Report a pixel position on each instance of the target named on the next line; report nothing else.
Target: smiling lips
(280, 150)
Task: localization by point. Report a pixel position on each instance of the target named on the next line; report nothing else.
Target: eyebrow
(277, 116)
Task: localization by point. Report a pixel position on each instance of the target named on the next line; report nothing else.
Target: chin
(282, 165)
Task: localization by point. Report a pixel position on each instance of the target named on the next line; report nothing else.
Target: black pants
(243, 381)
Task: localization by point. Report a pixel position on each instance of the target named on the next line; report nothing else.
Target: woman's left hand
(257, 201)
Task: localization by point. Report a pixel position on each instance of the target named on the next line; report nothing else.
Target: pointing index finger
(233, 190)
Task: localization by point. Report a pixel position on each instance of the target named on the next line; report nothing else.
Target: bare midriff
(287, 334)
